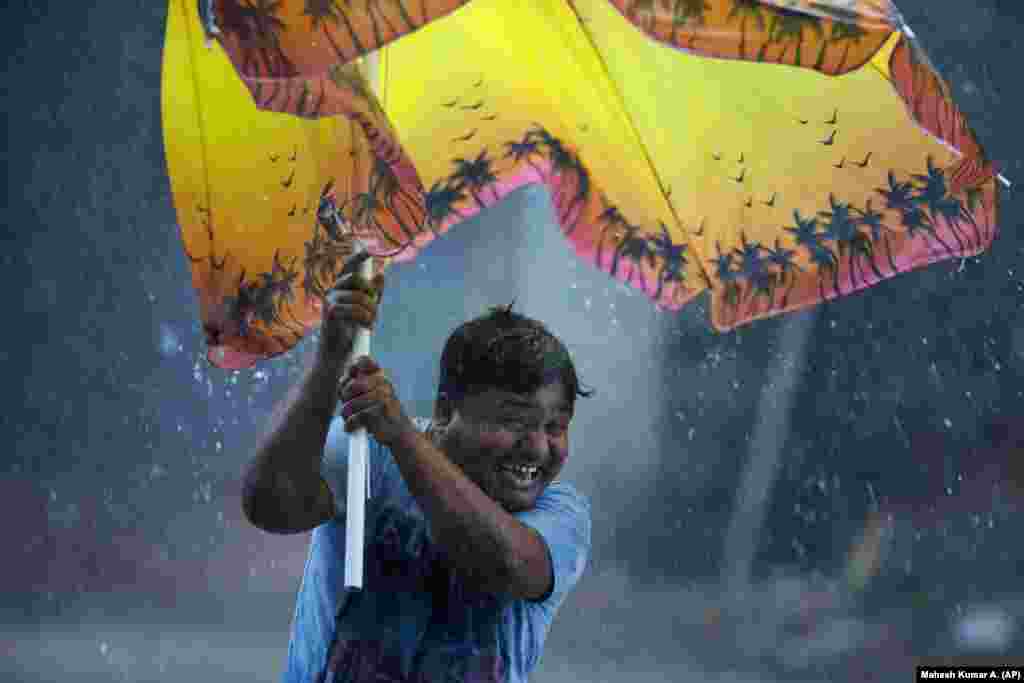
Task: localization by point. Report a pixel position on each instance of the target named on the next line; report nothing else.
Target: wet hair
(503, 350)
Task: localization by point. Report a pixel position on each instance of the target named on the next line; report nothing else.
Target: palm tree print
(579, 198)
(746, 10)
(365, 211)
(386, 185)
(808, 237)
(673, 256)
(787, 28)
(726, 274)
(687, 13)
(843, 240)
(844, 228)
(635, 248)
(754, 269)
(264, 299)
(844, 29)
(645, 9)
(826, 262)
(348, 77)
(557, 153)
(378, 37)
(331, 245)
(805, 232)
(782, 259)
(320, 11)
(900, 196)
(258, 28)
(409, 23)
(563, 163)
(613, 221)
(934, 195)
(440, 203)
(524, 149)
(872, 220)
(474, 176)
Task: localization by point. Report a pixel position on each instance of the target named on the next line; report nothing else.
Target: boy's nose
(536, 441)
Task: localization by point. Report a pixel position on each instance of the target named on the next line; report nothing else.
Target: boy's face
(511, 445)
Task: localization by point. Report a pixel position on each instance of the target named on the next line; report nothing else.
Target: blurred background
(828, 496)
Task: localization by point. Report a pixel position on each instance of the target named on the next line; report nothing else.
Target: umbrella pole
(358, 490)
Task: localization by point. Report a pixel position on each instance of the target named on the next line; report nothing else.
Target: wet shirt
(416, 621)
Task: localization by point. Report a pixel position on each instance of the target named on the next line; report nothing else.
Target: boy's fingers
(353, 282)
(374, 387)
(351, 299)
(348, 312)
(366, 364)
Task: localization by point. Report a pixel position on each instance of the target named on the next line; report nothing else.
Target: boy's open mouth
(520, 476)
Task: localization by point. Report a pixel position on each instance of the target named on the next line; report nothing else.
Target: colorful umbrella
(776, 153)
(816, 155)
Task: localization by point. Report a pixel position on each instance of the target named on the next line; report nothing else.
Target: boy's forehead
(548, 397)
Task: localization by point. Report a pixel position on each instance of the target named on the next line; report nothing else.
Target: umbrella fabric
(776, 154)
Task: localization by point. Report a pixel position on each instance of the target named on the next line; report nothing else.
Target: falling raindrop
(170, 341)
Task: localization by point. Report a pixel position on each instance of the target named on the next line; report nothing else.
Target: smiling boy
(472, 541)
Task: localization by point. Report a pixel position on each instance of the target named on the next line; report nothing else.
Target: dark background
(730, 474)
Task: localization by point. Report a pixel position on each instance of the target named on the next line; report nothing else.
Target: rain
(830, 495)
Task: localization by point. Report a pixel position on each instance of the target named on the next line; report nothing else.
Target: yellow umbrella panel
(775, 153)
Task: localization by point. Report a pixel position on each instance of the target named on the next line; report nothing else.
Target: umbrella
(772, 153)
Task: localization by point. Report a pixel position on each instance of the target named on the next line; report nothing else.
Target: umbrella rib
(199, 120)
(581, 26)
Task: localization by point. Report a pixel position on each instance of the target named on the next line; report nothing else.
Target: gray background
(730, 474)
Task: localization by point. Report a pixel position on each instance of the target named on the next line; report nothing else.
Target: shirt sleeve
(562, 517)
(334, 468)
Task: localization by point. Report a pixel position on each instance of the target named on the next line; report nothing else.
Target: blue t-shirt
(415, 621)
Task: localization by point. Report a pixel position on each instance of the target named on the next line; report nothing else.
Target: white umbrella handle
(358, 473)
(359, 444)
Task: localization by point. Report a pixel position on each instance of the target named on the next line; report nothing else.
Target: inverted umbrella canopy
(776, 153)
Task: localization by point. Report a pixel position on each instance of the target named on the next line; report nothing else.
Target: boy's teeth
(523, 470)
